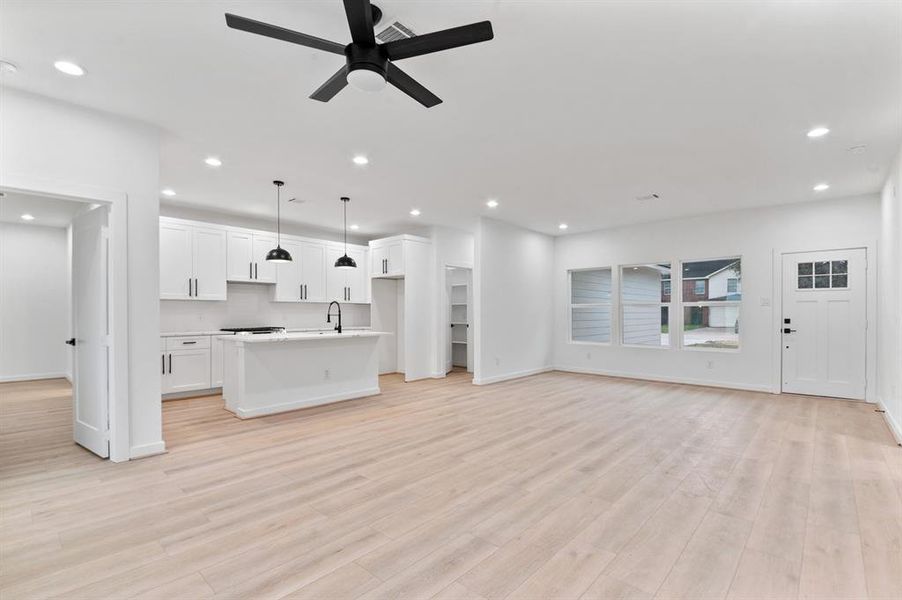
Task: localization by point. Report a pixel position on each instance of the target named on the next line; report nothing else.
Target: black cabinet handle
(188, 343)
(256, 273)
(170, 363)
(195, 287)
(305, 291)
(189, 287)
(250, 270)
(163, 364)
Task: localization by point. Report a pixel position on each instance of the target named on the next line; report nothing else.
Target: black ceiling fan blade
(333, 85)
(360, 20)
(439, 40)
(411, 87)
(280, 33)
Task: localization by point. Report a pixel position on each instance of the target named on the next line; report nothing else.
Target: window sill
(622, 345)
(709, 349)
(581, 343)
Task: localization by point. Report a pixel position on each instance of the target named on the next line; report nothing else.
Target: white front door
(824, 323)
(91, 326)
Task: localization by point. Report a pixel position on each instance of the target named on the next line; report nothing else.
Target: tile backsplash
(250, 305)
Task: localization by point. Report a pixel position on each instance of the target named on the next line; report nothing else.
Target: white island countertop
(303, 336)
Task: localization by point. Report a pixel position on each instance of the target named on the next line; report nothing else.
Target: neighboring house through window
(711, 304)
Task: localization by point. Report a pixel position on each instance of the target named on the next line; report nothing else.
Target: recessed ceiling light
(168, 192)
(8, 67)
(27, 217)
(562, 226)
(213, 161)
(818, 132)
(492, 203)
(69, 68)
(821, 187)
(415, 212)
(355, 227)
(361, 160)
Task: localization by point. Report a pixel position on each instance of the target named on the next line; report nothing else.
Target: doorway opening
(459, 334)
(56, 305)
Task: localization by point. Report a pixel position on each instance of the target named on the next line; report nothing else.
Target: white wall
(251, 305)
(34, 302)
(755, 235)
(889, 366)
(513, 307)
(71, 150)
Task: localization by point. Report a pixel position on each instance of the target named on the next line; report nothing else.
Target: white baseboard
(894, 427)
(508, 376)
(306, 403)
(145, 450)
(681, 380)
(33, 377)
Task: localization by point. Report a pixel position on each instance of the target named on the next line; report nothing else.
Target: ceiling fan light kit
(370, 65)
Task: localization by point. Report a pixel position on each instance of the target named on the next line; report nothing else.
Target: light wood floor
(553, 486)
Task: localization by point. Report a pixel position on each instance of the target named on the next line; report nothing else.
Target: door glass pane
(822, 281)
(591, 324)
(840, 266)
(840, 281)
(711, 326)
(806, 282)
(822, 267)
(806, 269)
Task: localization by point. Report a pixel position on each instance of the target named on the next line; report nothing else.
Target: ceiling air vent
(395, 31)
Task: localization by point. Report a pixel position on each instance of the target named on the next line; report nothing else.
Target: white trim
(119, 433)
(147, 450)
(33, 377)
(272, 409)
(894, 427)
(508, 376)
(680, 380)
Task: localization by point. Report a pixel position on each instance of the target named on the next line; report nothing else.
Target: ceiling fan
(370, 65)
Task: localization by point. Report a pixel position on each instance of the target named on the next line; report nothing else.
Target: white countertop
(302, 336)
(218, 332)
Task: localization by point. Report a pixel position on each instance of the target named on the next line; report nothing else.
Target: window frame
(710, 303)
(571, 306)
(621, 304)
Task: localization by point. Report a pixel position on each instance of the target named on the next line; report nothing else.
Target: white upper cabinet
(346, 285)
(247, 252)
(304, 278)
(192, 262)
(387, 257)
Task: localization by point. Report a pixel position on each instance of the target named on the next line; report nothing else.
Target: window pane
(590, 287)
(840, 266)
(591, 324)
(646, 325)
(840, 281)
(822, 267)
(821, 281)
(713, 280)
(806, 268)
(644, 283)
(711, 326)
(806, 282)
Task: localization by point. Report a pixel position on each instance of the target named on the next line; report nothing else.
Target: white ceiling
(573, 110)
(49, 212)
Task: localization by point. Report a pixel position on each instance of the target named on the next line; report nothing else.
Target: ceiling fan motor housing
(370, 58)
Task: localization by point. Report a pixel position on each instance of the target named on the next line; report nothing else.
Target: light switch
(765, 301)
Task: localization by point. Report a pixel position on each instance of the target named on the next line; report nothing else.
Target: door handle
(788, 330)
(71, 341)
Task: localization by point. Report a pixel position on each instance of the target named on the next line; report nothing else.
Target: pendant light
(345, 262)
(278, 254)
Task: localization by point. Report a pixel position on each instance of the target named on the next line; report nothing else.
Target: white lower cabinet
(185, 364)
(215, 362)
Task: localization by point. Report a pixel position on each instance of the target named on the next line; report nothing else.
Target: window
(590, 306)
(712, 321)
(823, 274)
(665, 287)
(645, 306)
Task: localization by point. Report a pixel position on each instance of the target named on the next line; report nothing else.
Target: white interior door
(825, 323)
(91, 325)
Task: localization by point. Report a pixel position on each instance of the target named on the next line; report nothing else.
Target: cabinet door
(357, 281)
(175, 261)
(240, 255)
(188, 370)
(313, 271)
(377, 260)
(336, 279)
(264, 272)
(215, 362)
(288, 275)
(396, 258)
(209, 264)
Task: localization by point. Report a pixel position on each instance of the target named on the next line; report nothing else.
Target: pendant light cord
(345, 202)
(278, 216)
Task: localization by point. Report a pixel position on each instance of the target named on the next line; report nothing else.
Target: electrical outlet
(710, 364)
(327, 374)
(497, 362)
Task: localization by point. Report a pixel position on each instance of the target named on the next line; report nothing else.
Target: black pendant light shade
(345, 262)
(278, 254)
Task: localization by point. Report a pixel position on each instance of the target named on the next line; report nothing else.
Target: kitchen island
(278, 372)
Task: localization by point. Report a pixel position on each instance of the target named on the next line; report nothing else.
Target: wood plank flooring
(553, 486)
